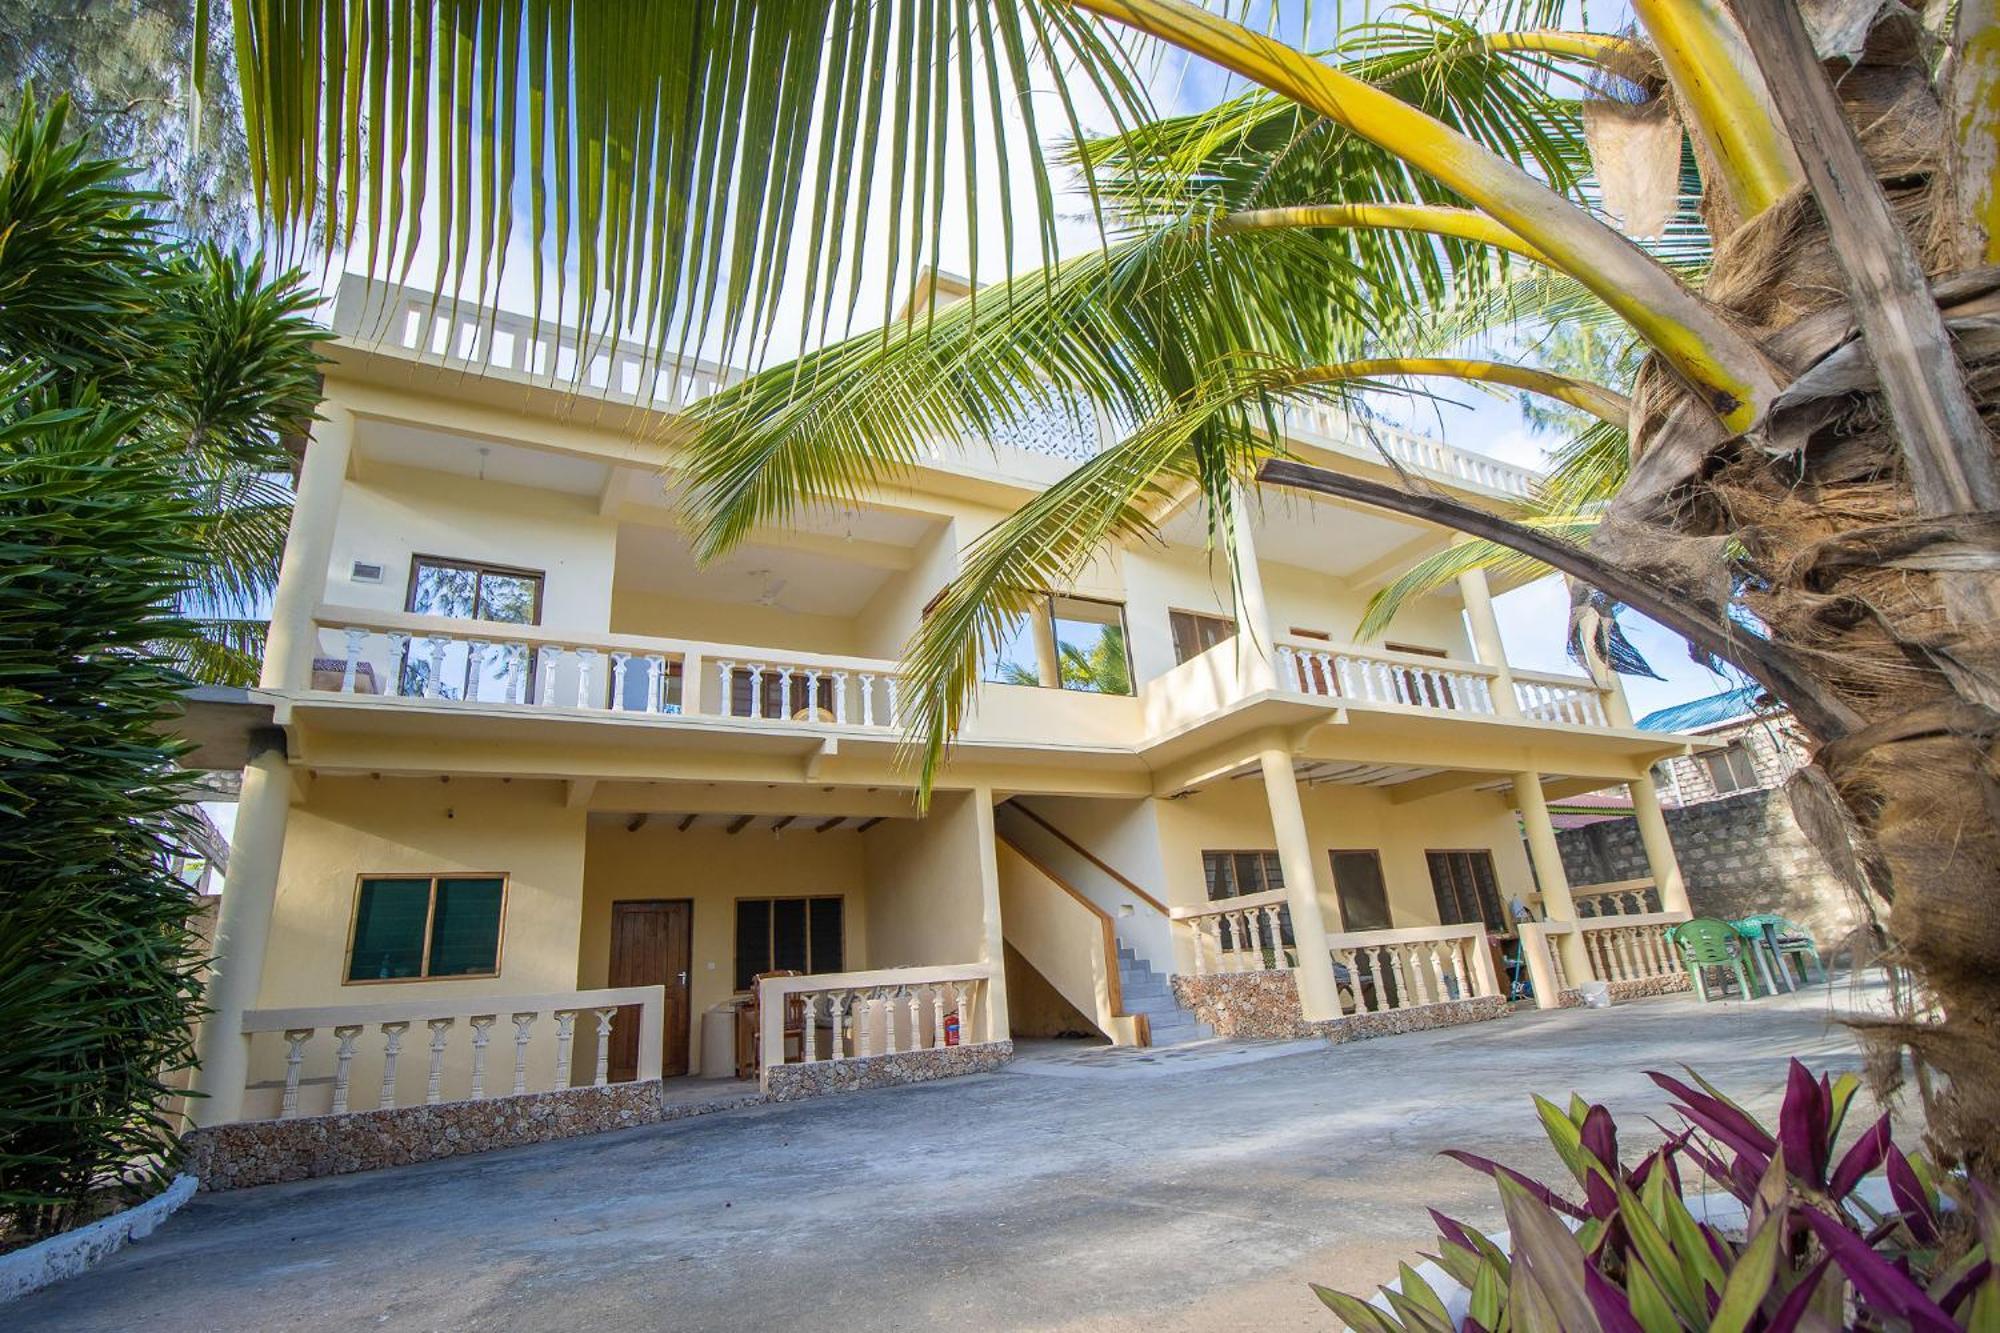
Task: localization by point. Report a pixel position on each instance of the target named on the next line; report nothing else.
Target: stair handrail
(1114, 987)
(1094, 859)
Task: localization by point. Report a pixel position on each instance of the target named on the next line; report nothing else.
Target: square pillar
(1319, 997)
(992, 937)
(1546, 854)
(293, 639)
(1487, 647)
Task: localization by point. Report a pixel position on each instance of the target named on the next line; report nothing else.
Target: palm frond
(678, 157)
(1441, 570)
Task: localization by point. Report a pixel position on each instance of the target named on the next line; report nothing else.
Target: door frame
(674, 1037)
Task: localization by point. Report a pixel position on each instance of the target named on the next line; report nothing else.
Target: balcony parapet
(1381, 678)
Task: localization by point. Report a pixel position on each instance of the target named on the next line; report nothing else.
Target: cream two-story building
(534, 798)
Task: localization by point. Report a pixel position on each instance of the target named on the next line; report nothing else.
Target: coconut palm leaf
(675, 164)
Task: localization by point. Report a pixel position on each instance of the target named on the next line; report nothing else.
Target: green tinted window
(426, 927)
(389, 929)
(465, 927)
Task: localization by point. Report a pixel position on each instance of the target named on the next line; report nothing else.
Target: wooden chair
(749, 1054)
(1706, 943)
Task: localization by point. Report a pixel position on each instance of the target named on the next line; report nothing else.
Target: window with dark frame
(1731, 769)
(1195, 633)
(1466, 889)
(425, 927)
(1235, 874)
(469, 590)
(788, 935)
(1361, 889)
(1091, 649)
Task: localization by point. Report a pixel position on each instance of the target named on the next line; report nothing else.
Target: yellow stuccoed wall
(713, 869)
(1233, 816)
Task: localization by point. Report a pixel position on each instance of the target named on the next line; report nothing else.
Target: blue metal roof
(1698, 713)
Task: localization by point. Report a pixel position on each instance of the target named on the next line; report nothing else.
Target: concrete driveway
(1106, 1191)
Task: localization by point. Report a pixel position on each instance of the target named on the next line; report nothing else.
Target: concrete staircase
(1147, 992)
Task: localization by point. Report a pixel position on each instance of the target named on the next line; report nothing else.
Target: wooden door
(650, 946)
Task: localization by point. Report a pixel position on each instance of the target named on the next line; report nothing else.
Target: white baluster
(756, 689)
(867, 700)
(475, 667)
(343, 1064)
(1416, 958)
(399, 653)
(546, 658)
(809, 1042)
(785, 695)
(1199, 933)
(864, 1019)
(434, 687)
(1390, 962)
(434, 1085)
(295, 1058)
(1349, 960)
(836, 1004)
(522, 1024)
(392, 1034)
(656, 674)
(916, 1022)
(893, 712)
(812, 696)
(889, 1022)
(619, 662)
(727, 670)
(355, 639)
(585, 657)
(565, 1036)
(1276, 936)
(514, 673)
(603, 1074)
(482, 1032)
(840, 697)
(937, 1017)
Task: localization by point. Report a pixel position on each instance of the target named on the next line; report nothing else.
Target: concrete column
(1617, 709)
(1660, 858)
(288, 652)
(992, 939)
(241, 933)
(1256, 636)
(1319, 997)
(1547, 857)
(1048, 661)
(1487, 646)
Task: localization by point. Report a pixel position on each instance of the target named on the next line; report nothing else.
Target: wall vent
(366, 573)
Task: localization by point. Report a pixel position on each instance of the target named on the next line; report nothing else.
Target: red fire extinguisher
(951, 1028)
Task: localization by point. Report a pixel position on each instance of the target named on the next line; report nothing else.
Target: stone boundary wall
(265, 1152)
(70, 1253)
(795, 1083)
(1638, 988)
(1265, 1005)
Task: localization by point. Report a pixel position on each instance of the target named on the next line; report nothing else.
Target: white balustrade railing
(1625, 897)
(1559, 699)
(854, 1015)
(465, 335)
(1326, 423)
(1382, 970)
(820, 690)
(1631, 948)
(1386, 678)
(1245, 934)
(457, 1036)
(432, 660)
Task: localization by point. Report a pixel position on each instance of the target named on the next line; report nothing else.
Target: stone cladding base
(794, 1083)
(1265, 1006)
(264, 1152)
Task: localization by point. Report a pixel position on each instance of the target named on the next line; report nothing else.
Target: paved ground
(1198, 1189)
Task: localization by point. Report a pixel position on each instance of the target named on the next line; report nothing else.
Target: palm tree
(1806, 433)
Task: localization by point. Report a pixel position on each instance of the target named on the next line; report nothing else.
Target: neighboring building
(1739, 848)
(524, 751)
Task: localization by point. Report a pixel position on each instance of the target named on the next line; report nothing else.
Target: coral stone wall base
(793, 1083)
(1637, 988)
(265, 1152)
(1265, 1006)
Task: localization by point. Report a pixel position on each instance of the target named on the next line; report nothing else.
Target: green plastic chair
(1707, 943)
(1792, 941)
